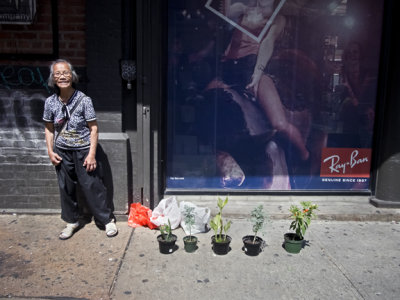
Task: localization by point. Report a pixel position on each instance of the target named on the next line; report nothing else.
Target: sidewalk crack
(110, 291)
(339, 267)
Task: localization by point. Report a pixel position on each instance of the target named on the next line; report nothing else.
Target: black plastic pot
(250, 248)
(190, 243)
(293, 243)
(222, 247)
(167, 247)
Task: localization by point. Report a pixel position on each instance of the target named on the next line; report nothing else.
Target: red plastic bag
(139, 215)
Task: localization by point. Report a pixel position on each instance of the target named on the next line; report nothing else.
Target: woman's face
(62, 75)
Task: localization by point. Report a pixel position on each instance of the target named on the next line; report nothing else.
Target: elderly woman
(71, 137)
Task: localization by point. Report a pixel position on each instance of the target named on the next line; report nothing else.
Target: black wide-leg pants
(71, 171)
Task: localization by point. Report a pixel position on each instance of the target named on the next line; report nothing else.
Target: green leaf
(227, 226)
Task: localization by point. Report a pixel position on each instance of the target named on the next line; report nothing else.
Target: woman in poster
(245, 65)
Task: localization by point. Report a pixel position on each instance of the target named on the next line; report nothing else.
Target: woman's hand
(90, 160)
(90, 163)
(253, 85)
(55, 158)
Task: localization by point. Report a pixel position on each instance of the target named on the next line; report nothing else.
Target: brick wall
(72, 31)
(27, 178)
(37, 38)
(93, 45)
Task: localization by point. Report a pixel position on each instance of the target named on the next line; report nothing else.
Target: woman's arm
(234, 10)
(49, 135)
(265, 52)
(90, 160)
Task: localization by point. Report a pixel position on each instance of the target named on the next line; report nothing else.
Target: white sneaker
(111, 229)
(68, 231)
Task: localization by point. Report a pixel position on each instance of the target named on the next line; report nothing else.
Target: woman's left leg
(272, 106)
(93, 188)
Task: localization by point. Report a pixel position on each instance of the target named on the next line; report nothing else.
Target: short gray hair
(50, 81)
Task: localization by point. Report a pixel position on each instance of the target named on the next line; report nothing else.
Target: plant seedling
(302, 217)
(258, 219)
(166, 231)
(217, 223)
(189, 218)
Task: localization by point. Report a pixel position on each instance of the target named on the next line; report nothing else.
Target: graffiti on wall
(21, 110)
(19, 77)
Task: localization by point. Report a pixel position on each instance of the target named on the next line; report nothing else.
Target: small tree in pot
(253, 243)
(189, 241)
(166, 239)
(301, 220)
(220, 239)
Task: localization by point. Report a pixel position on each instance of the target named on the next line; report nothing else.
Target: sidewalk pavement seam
(337, 265)
(110, 291)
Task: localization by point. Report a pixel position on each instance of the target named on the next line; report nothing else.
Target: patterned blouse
(76, 134)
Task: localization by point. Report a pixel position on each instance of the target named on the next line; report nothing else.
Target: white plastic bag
(201, 218)
(167, 209)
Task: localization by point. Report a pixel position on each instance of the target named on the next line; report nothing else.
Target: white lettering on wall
(339, 166)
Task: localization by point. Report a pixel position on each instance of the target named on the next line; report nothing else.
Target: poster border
(262, 33)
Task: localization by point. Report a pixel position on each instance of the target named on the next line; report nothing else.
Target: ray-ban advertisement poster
(272, 95)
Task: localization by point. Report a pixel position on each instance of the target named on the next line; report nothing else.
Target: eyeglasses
(64, 73)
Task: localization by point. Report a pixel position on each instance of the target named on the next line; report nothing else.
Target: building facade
(166, 130)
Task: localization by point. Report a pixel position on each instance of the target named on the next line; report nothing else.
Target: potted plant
(253, 243)
(189, 241)
(166, 239)
(220, 240)
(301, 220)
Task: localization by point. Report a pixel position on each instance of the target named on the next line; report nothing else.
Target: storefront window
(272, 95)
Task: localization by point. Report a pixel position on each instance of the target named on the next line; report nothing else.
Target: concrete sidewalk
(353, 252)
(342, 260)
(35, 264)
